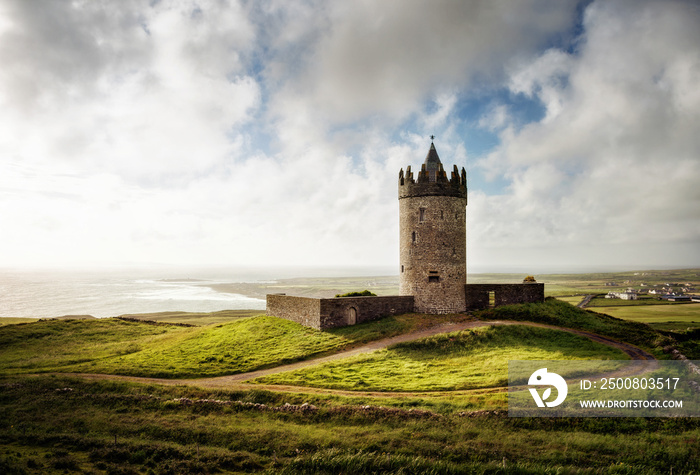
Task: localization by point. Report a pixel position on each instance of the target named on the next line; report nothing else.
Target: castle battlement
(432, 179)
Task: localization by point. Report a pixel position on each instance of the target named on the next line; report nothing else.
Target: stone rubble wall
(335, 312)
(322, 314)
(303, 310)
(477, 295)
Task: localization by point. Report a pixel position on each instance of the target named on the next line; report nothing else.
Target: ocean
(117, 291)
(114, 292)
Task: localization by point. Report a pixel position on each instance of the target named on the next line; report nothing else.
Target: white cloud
(157, 96)
(273, 132)
(615, 159)
(496, 119)
(387, 57)
(108, 115)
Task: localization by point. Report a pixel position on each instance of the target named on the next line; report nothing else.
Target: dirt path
(238, 381)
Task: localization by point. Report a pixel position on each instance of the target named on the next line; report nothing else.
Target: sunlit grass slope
(194, 318)
(53, 345)
(555, 312)
(227, 348)
(146, 349)
(15, 320)
(462, 360)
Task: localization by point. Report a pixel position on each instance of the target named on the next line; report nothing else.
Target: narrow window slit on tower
(421, 213)
(413, 236)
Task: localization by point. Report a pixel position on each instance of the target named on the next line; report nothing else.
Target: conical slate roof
(432, 161)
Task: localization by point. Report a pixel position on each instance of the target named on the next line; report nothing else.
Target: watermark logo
(542, 378)
(603, 388)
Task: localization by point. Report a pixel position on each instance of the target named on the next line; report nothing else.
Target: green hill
(143, 348)
(60, 423)
(469, 359)
(559, 313)
(146, 348)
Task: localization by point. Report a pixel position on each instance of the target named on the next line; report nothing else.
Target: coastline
(32, 295)
(316, 287)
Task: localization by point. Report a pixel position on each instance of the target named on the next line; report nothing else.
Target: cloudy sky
(272, 132)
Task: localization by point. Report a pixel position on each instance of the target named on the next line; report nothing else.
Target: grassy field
(681, 312)
(199, 319)
(138, 348)
(558, 285)
(15, 320)
(469, 359)
(571, 300)
(646, 309)
(186, 318)
(59, 425)
(161, 350)
(641, 301)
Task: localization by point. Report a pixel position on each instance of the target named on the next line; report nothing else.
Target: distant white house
(622, 295)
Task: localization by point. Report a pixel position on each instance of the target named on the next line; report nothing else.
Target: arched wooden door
(351, 316)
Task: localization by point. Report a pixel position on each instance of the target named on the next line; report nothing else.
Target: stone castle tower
(433, 237)
(433, 267)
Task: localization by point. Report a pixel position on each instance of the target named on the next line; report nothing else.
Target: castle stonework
(433, 261)
(322, 314)
(433, 237)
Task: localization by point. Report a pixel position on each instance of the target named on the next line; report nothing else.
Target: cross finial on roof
(432, 137)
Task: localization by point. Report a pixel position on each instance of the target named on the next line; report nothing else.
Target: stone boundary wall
(322, 314)
(343, 311)
(303, 310)
(336, 312)
(504, 294)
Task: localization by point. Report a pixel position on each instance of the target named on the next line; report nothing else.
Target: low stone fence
(322, 314)
(303, 310)
(342, 311)
(336, 312)
(504, 294)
